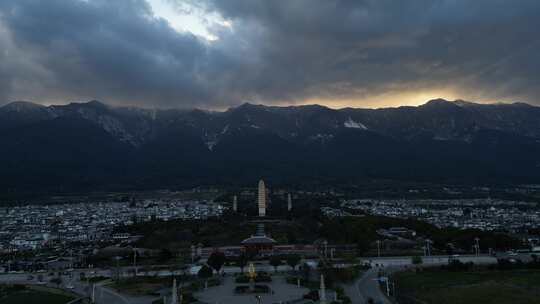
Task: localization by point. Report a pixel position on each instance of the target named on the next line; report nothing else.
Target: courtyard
(281, 291)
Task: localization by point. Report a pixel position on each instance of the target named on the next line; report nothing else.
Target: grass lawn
(141, 285)
(34, 297)
(487, 287)
(150, 285)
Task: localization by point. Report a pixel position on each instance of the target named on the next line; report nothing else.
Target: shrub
(312, 295)
(275, 261)
(294, 280)
(293, 260)
(56, 281)
(247, 289)
(416, 260)
(261, 277)
(457, 265)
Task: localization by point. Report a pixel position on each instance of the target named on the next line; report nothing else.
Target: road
(105, 295)
(365, 287)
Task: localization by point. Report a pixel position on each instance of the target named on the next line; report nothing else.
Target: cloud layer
(348, 52)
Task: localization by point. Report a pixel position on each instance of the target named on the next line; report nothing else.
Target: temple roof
(259, 239)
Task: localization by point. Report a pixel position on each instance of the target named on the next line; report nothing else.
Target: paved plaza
(224, 293)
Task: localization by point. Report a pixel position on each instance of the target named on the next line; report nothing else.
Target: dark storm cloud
(358, 48)
(275, 51)
(108, 49)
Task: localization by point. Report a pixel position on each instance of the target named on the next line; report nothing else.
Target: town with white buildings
(484, 214)
(34, 226)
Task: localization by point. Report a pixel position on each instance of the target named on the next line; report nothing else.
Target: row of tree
(217, 259)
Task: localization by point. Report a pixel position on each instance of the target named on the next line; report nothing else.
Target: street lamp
(93, 293)
(135, 260)
(385, 281)
(117, 259)
(428, 246)
(71, 258)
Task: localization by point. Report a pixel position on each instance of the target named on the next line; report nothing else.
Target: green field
(34, 297)
(487, 287)
(142, 285)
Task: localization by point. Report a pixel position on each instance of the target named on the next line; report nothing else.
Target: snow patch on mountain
(354, 125)
(115, 127)
(225, 129)
(441, 138)
(323, 138)
(210, 144)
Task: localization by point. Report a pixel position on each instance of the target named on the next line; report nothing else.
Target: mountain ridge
(248, 104)
(92, 144)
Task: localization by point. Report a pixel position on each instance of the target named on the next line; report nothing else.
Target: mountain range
(91, 145)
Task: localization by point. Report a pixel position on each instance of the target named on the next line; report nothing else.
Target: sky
(215, 54)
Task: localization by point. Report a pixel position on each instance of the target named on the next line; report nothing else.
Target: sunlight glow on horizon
(385, 100)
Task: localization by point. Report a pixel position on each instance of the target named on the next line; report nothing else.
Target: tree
(216, 260)
(275, 261)
(350, 258)
(182, 267)
(293, 260)
(242, 261)
(306, 272)
(362, 245)
(165, 255)
(416, 260)
(205, 272)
